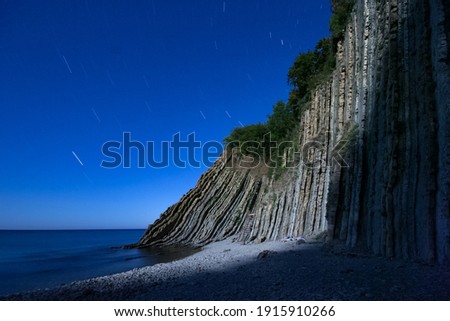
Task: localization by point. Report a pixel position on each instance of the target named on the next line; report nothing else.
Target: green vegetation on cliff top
(308, 71)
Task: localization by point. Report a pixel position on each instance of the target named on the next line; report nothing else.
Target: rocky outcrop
(394, 199)
(373, 167)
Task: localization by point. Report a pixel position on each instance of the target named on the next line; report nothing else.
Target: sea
(31, 260)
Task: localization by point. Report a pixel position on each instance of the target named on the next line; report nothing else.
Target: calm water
(40, 259)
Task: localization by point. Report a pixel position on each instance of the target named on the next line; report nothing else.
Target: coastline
(58, 257)
(267, 271)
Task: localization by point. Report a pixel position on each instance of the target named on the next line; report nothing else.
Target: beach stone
(266, 253)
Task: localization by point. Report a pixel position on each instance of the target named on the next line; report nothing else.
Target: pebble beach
(290, 270)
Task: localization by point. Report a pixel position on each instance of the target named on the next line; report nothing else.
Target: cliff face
(378, 136)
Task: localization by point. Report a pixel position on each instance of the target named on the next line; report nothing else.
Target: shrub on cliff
(311, 67)
(255, 138)
(341, 16)
(281, 122)
(248, 138)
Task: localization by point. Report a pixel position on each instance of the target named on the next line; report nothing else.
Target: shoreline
(267, 271)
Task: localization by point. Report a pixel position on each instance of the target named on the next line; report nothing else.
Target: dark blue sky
(76, 74)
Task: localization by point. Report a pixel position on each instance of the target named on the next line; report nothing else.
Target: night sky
(77, 74)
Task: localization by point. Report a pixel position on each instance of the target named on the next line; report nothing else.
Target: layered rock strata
(373, 161)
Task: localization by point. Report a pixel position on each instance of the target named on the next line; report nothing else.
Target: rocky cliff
(375, 167)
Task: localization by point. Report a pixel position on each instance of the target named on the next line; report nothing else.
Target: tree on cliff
(309, 68)
(340, 17)
(281, 121)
